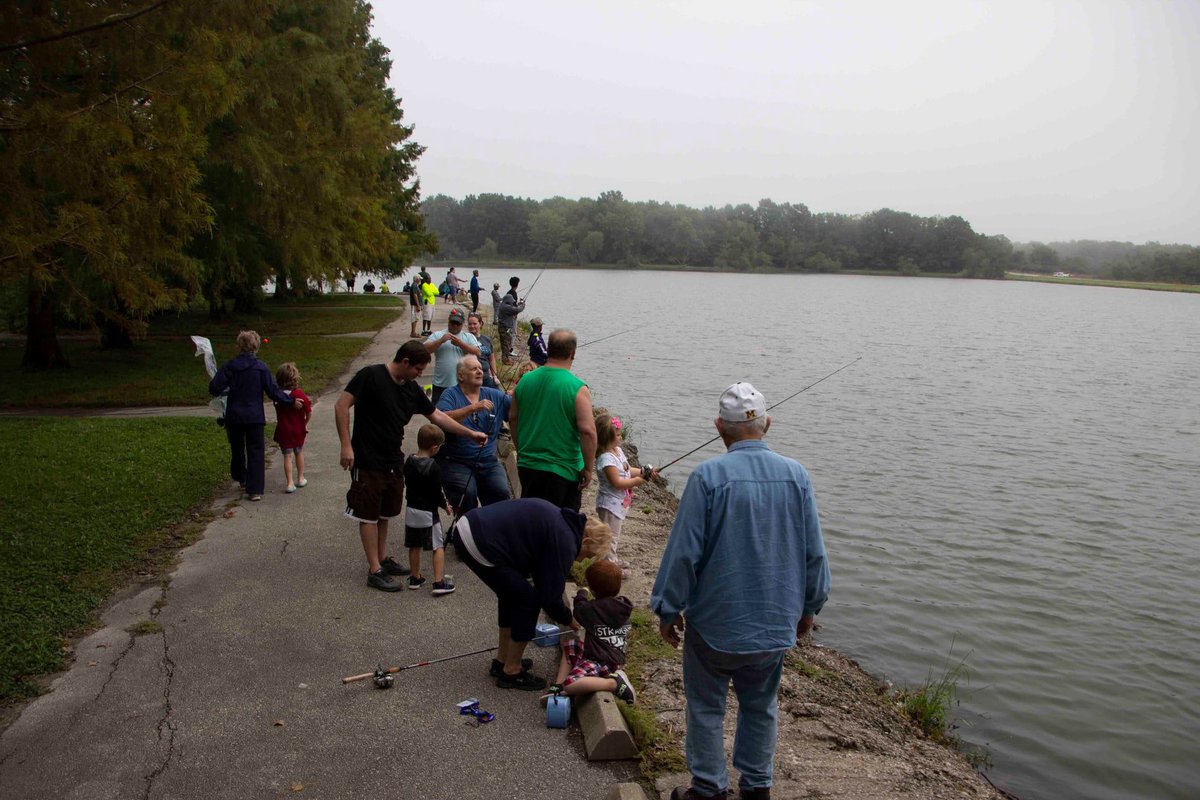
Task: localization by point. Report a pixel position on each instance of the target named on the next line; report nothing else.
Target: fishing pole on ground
(382, 674)
(776, 405)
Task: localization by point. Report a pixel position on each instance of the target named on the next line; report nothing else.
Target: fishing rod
(776, 405)
(535, 283)
(602, 338)
(380, 671)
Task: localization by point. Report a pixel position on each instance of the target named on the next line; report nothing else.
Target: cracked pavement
(239, 694)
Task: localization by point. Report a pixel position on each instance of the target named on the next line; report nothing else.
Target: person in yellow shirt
(430, 294)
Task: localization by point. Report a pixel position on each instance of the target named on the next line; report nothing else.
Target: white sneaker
(300, 484)
(291, 488)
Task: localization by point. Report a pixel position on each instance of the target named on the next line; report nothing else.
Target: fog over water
(1007, 476)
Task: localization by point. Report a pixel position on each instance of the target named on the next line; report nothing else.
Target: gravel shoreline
(840, 734)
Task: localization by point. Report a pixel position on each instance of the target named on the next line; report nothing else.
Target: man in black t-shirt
(384, 397)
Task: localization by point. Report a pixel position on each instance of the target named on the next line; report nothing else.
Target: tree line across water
(154, 153)
(772, 237)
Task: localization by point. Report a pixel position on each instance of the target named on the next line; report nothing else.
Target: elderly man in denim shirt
(746, 563)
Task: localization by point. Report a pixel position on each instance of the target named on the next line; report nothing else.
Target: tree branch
(107, 23)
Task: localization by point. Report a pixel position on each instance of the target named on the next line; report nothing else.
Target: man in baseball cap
(448, 347)
(746, 564)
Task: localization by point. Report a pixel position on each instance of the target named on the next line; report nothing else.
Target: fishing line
(776, 405)
(602, 338)
(535, 283)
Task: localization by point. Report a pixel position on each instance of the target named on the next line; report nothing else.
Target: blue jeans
(490, 484)
(706, 677)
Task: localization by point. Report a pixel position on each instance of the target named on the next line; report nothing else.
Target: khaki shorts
(374, 494)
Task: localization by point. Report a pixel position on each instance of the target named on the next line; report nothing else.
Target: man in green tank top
(553, 429)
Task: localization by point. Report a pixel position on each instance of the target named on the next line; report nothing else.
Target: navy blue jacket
(247, 379)
(537, 539)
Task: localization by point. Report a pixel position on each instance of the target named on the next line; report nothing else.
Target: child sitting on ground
(614, 489)
(291, 426)
(422, 522)
(595, 664)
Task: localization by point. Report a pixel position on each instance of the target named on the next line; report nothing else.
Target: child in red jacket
(292, 426)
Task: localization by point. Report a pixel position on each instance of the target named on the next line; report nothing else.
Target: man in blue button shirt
(746, 563)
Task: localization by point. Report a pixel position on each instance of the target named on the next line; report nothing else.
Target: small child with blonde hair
(291, 426)
(614, 489)
(422, 520)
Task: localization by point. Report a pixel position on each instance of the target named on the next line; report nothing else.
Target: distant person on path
(469, 471)
(422, 518)
(496, 305)
(247, 379)
(553, 429)
(415, 300)
(475, 290)
(487, 352)
(507, 544)
(429, 293)
(448, 347)
(594, 665)
(384, 398)
(510, 307)
(452, 286)
(369, 287)
(746, 564)
(291, 426)
(383, 288)
(616, 480)
(537, 343)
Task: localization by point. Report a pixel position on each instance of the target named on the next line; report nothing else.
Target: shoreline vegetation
(842, 732)
(1073, 280)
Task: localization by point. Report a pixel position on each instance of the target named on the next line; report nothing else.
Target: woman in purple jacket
(247, 379)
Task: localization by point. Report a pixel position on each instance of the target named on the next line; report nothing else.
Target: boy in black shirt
(422, 523)
(595, 664)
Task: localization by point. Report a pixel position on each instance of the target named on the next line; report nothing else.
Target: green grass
(156, 372)
(276, 321)
(931, 704)
(661, 752)
(83, 503)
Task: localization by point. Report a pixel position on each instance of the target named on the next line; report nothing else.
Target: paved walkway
(235, 690)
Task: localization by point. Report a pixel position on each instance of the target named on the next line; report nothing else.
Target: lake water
(1008, 475)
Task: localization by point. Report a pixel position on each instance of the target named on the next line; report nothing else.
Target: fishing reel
(647, 472)
(382, 678)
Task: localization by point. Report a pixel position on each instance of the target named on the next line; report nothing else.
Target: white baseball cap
(741, 402)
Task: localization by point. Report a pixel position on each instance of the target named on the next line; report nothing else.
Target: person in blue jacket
(247, 379)
(745, 562)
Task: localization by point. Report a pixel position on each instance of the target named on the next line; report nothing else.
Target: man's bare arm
(585, 423)
(341, 415)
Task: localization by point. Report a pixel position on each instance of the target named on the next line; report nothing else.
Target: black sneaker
(624, 690)
(392, 567)
(416, 583)
(757, 793)
(383, 582)
(522, 680)
(497, 668)
(442, 587)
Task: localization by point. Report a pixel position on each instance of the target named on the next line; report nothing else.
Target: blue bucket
(547, 635)
(558, 711)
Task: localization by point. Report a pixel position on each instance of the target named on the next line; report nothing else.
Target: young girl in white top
(614, 489)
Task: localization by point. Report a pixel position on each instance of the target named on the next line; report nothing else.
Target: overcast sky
(1037, 120)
